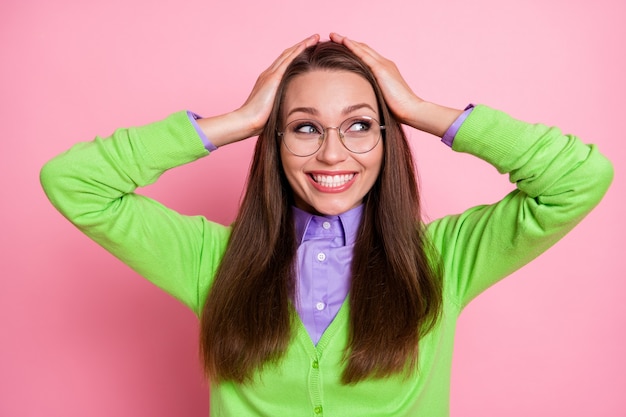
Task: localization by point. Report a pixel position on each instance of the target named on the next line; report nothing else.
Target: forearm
(228, 128)
(430, 117)
(106, 169)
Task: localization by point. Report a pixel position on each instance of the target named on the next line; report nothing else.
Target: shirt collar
(311, 226)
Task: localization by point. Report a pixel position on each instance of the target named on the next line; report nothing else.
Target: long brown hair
(395, 290)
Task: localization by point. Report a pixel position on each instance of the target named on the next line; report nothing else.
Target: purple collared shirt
(325, 245)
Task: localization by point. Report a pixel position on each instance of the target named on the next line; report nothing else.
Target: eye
(305, 128)
(358, 126)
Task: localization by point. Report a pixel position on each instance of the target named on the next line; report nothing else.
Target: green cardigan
(559, 180)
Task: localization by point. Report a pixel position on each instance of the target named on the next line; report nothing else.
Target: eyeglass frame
(323, 135)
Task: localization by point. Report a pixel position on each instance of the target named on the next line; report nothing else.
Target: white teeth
(332, 181)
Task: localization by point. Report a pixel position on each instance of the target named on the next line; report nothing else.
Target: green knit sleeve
(559, 180)
(93, 185)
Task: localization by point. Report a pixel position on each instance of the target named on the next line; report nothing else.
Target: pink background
(82, 335)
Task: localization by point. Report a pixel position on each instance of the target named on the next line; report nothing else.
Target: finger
(362, 50)
(337, 38)
(290, 53)
(312, 40)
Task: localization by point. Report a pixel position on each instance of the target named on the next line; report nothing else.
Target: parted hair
(395, 292)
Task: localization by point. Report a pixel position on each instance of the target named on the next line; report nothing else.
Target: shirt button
(321, 256)
(320, 306)
(326, 225)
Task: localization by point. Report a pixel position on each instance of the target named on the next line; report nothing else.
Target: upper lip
(343, 172)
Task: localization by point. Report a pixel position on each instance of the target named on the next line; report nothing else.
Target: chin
(330, 209)
(335, 212)
(327, 205)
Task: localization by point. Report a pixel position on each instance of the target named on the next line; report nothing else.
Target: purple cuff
(448, 137)
(207, 143)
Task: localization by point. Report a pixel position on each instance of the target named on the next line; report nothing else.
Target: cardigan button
(315, 364)
(318, 409)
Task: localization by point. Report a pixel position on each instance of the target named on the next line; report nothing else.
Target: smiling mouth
(332, 181)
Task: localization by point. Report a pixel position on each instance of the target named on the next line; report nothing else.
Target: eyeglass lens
(303, 137)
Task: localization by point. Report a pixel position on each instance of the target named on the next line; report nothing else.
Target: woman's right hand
(259, 104)
(250, 118)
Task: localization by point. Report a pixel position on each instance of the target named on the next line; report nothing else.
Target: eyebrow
(314, 112)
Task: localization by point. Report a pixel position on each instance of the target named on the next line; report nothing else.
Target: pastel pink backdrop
(82, 335)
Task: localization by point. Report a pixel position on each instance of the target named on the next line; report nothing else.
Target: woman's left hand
(400, 98)
(405, 105)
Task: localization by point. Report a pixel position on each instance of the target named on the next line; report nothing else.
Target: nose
(332, 150)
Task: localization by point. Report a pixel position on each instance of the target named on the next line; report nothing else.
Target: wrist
(432, 118)
(227, 128)
(250, 122)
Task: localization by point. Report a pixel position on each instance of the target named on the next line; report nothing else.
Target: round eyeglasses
(304, 137)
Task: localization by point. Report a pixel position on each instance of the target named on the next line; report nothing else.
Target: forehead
(328, 92)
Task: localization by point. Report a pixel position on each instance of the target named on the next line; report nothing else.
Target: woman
(328, 295)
